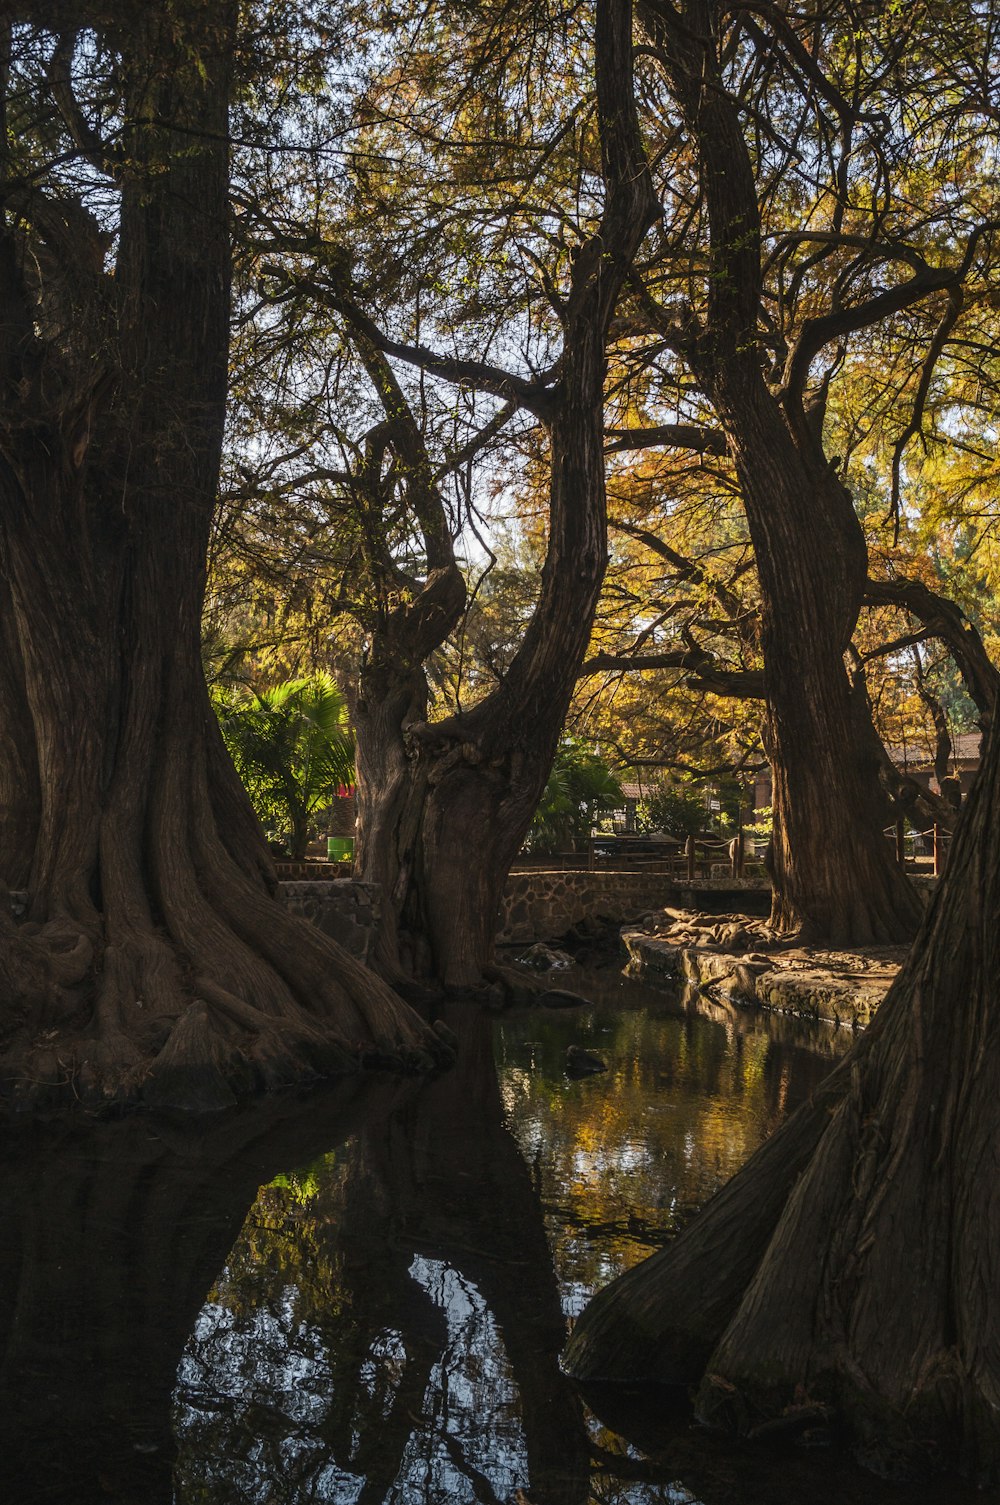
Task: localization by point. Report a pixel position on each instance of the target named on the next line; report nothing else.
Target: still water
(360, 1296)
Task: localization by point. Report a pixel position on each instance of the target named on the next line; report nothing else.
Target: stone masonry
(344, 909)
(540, 906)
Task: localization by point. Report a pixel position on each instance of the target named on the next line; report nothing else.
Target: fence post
(900, 847)
(689, 849)
(938, 851)
(739, 853)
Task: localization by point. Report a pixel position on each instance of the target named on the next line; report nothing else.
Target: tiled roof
(964, 749)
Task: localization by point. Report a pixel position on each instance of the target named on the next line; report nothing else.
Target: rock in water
(580, 1062)
(561, 998)
(544, 958)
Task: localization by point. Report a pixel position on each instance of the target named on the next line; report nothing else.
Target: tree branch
(945, 620)
(694, 436)
(701, 671)
(91, 145)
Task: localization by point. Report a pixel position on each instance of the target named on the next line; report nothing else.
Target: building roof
(965, 747)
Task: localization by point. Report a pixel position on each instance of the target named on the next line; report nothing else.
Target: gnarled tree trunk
(445, 806)
(154, 963)
(19, 793)
(852, 1263)
(834, 875)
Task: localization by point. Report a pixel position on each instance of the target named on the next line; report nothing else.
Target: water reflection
(111, 1235)
(621, 1160)
(354, 1298)
(409, 1293)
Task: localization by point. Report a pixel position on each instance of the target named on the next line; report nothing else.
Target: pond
(360, 1295)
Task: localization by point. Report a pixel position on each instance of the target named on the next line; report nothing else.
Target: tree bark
(852, 1262)
(20, 797)
(455, 798)
(835, 879)
(834, 876)
(154, 963)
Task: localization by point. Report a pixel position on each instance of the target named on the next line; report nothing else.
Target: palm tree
(580, 788)
(293, 747)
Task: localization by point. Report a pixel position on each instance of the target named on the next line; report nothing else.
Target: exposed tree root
(139, 1021)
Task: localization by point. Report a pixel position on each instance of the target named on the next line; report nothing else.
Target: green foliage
(761, 829)
(580, 788)
(292, 747)
(676, 809)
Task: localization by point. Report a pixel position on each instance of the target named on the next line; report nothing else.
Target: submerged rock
(561, 998)
(544, 958)
(580, 1062)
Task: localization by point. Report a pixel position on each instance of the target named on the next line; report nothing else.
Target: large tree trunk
(445, 805)
(462, 791)
(436, 833)
(834, 874)
(154, 963)
(852, 1262)
(19, 793)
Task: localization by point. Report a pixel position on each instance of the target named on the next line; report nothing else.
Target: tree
(674, 808)
(292, 749)
(444, 803)
(851, 1263)
(154, 962)
(789, 257)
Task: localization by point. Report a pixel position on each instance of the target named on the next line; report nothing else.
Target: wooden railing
(691, 858)
(932, 861)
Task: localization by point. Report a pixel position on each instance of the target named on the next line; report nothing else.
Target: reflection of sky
(266, 1379)
(470, 1383)
(255, 1390)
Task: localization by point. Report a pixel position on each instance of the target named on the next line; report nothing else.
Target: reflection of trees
(408, 1346)
(111, 1237)
(386, 1324)
(678, 1464)
(692, 1088)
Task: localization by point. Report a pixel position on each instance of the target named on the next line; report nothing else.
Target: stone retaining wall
(750, 982)
(536, 906)
(540, 906)
(344, 909)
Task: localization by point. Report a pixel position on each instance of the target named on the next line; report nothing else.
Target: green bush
(676, 809)
(292, 748)
(580, 788)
